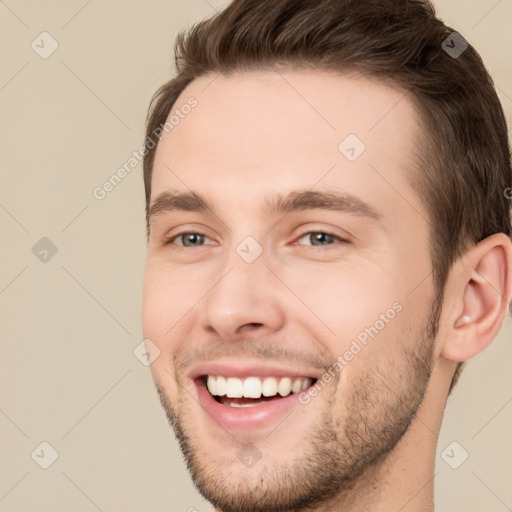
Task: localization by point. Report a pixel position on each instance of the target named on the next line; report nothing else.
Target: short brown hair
(465, 159)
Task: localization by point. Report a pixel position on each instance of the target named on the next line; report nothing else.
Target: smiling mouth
(252, 391)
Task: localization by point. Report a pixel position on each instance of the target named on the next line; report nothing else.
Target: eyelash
(170, 240)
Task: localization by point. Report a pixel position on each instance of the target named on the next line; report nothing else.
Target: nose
(244, 299)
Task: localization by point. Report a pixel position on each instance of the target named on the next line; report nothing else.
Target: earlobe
(481, 292)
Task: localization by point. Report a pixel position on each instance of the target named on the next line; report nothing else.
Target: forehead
(257, 131)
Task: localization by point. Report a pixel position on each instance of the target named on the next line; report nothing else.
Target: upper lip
(243, 370)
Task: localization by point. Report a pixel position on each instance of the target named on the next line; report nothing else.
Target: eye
(188, 239)
(316, 238)
(321, 238)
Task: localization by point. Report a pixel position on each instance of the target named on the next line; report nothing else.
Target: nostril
(250, 325)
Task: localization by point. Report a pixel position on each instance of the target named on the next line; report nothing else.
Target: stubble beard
(379, 408)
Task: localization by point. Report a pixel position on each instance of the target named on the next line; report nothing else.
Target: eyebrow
(297, 200)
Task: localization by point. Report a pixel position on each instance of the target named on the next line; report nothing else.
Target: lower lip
(245, 418)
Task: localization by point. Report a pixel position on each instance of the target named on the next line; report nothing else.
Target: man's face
(268, 298)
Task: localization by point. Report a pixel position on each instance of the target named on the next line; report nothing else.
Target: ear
(479, 293)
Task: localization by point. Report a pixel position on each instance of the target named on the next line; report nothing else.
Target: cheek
(159, 298)
(335, 302)
(348, 297)
(168, 293)
(165, 300)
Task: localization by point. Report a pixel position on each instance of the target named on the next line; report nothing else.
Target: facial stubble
(379, 408)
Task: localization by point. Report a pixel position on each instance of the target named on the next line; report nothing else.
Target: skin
(367, 441)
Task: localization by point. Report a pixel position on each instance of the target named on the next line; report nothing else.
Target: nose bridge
(244, 292)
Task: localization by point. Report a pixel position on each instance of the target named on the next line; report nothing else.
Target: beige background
(69, 326)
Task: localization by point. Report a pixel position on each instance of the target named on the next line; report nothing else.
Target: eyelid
(319, 227)
(340, 238)
(198, 229)
(170, 239)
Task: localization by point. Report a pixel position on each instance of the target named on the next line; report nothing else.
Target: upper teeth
(254, 387)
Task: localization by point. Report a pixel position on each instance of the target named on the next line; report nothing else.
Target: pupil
(321, 237)
(192, 238)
